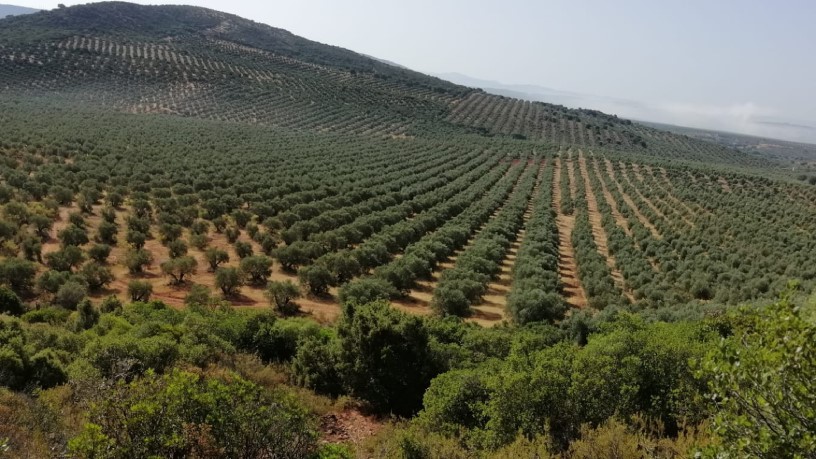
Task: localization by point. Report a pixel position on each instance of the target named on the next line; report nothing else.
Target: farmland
(193, 193)
(631, 232)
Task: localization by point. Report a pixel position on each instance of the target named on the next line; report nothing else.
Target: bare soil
(619, 220)
(567, 267)
(348, 426)
(724, 184)
(418, 300)
(642, 218)
(640, 194)
(598, 232)
(668, 189)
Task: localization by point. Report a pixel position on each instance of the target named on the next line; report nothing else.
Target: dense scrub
(474, 391)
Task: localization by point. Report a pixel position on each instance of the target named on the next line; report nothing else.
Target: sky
(744, 66)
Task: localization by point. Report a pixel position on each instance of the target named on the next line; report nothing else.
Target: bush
(229, 280)
(366, 290)
(70, 294)
(10, 303)
(316, 364)
(111, 304)
(87, 315)
(276, 340)
(385, 357)
(256, 269)
(762, 379)
(231, 416)
(282, 294)
(140, 290)
(199, 295)
(49, 315)
(99, 252)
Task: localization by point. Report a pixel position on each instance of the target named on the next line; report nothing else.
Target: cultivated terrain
(178, 182)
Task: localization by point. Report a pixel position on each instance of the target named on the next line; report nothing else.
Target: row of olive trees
(466, 282)
(535, 294)
(386, 224)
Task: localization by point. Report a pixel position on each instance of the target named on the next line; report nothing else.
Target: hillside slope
(12, 10)
(140, 139)
(202, 63)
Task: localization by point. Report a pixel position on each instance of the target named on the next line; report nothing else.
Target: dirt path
(598, 233)
(418, 300)
(567, 266)
(53, 243)
(638, 173)
(668, 188)
(619, 219)
(724, 184)
(643, 197)
(642, 218)
(692, 177)
(573, 187)
(348, 426)
(494, 302)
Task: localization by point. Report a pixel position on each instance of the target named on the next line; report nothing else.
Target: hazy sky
(739, 65)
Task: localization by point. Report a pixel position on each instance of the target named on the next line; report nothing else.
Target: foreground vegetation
(144, 379)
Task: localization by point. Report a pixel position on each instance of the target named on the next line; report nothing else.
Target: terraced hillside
(147, 150)
(206, 64)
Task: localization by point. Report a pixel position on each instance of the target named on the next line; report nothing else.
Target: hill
(202, 63)
(179, 108)
(11, 10)
(796, 153)
(218, 239)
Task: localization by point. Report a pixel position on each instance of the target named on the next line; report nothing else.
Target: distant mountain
(664, 113)
(532, 92)
(196, 62)
(11, 10)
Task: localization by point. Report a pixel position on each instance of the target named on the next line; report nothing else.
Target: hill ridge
(193, 61)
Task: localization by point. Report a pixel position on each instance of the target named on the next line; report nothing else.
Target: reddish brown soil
(348, 426)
